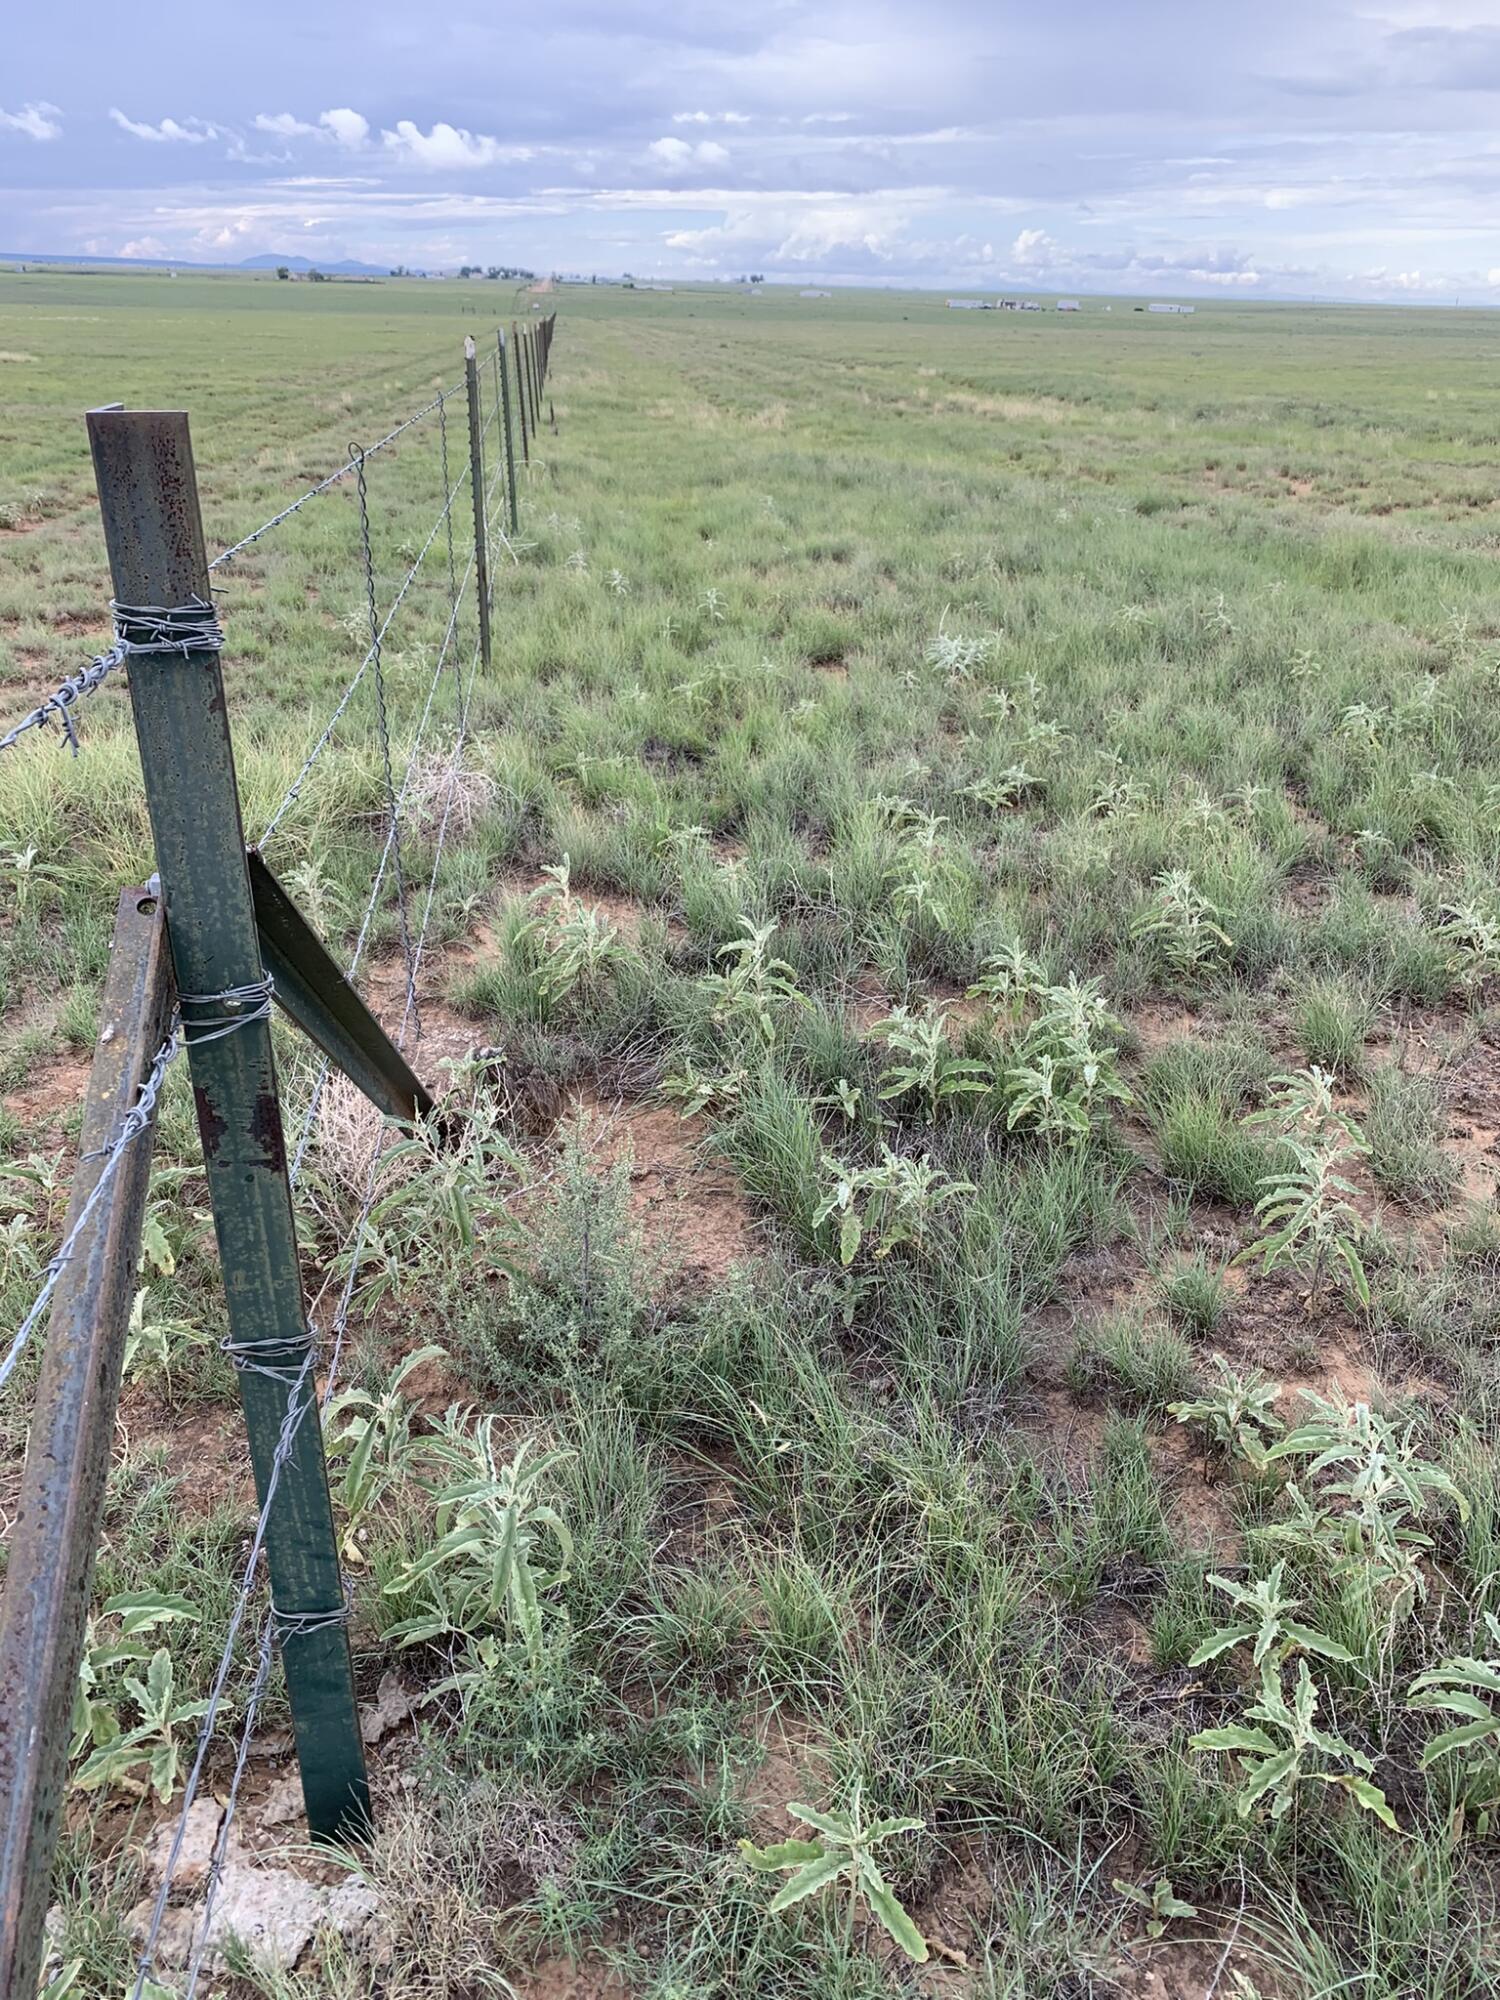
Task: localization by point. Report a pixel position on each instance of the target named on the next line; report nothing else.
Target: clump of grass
(1206, 1149)
(1145, 1367)
(1195, 1296)
(1403, 1123)
(1331, 1022)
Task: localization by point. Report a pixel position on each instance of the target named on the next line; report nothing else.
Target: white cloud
(710, 118)
(284, 125)
(1033, 246)
(189, 132)
(37, 120)
(449, 146)
(677, 153)
(348, 127)
(144, 246)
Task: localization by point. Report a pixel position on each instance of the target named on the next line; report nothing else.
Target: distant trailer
(1069, 306)
(969, 305)
(815, 295)
(1170, 309)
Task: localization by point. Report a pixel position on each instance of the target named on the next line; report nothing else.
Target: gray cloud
(1285, 148)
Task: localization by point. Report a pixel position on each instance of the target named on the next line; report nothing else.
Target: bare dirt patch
(690, 1209)
(45, 1101)
(205, 1450)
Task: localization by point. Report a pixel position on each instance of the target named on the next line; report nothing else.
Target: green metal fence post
(515, 341)
(148, 497)
(510, 442)
(528, 374)
(476, 488)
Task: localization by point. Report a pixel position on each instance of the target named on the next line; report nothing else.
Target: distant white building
(1069, 306)
(1169, 309)
(968, 305)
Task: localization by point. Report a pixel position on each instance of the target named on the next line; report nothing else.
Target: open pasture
(964, 983)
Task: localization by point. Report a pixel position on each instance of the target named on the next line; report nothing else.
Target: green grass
(933, 645)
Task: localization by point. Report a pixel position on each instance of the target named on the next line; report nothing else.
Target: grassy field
(964, 978)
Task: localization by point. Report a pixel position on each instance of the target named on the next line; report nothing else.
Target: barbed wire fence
(223, 1025)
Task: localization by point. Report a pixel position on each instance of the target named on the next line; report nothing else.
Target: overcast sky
(1285, 147)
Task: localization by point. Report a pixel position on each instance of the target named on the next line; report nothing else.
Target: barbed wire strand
(63, 698)
(323, 485)
(296, 1411)
(135, 1121)
(384, 722)
(338, 1328)
(294, 790)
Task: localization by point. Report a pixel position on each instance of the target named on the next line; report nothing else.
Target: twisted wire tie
(284, 1360)
(143, 629)
(303, 1624)
(241, 1006)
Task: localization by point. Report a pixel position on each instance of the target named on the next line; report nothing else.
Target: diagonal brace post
(310, 988)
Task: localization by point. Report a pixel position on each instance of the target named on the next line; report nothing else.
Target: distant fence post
(528, 377)
(516, 343)
(476, 486)
(510, 443)
(148, 498)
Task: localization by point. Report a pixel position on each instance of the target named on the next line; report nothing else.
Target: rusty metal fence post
(44, 1611)
(148, 498)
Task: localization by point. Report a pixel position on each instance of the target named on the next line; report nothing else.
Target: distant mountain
(345, 267)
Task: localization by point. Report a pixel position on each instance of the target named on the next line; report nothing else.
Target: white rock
(198, 1838)
(273, 1913)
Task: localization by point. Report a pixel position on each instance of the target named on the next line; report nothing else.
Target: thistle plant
(1181, 926)
(579, 949)
(956, 655)
(928, 1066)
(1307, 1220)
(1062, 1083)
(697, 1091)
(124, 1724)
(1239, 1415)
(482, 1574)
(1265, 1625)
(1301, 1106)
(1384, 1488)
(368, 1441)
(756, 986)
(1471, 931)
(163, 1340)
(1279, 1745)
(1468, 1688)
(894, 1201)
(1009, 979)
(841, 1853)
(1160, 1902)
